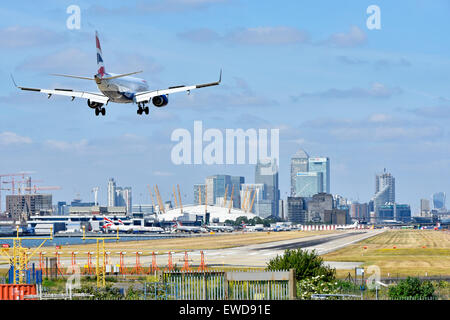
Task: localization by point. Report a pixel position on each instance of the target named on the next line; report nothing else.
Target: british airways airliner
(120, 88)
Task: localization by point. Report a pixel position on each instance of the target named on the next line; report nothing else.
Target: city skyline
(356, 95)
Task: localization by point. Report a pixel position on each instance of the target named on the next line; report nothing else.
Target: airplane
(179, 227)
(118, 88)
(251, 228)
(220, 228)
(111, 226)
(349, 226)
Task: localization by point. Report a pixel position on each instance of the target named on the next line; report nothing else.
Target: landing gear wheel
(146, 110)
(97, 112)
(139, 111)
(103, 111)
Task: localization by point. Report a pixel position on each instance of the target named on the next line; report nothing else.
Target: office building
(111, 193)
(296, 210)
(199, 194)
(384, 190)
(299, 163)
(360, 211)
(124, 198)
(321, 165)
(215, 187)
(21, 207)
(266, 172)
(439, 200)
(336, 216)
(318, 205)
(308, 184)
(425, 207)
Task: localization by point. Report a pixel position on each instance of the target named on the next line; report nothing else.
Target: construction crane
(12, 175)
(35, 188)
(199, 195)
(95, 191)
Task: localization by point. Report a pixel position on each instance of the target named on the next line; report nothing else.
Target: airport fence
(221, 285)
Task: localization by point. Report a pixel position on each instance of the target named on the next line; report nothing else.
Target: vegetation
(412, 288)
(315, 285)
(306, 265)
(400, 253)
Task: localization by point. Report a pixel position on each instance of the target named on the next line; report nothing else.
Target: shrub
(412, 288)
(306, 265)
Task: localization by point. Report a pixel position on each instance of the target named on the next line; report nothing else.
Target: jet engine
(160, 101)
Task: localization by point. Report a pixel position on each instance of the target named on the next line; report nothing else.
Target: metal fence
(219, 285)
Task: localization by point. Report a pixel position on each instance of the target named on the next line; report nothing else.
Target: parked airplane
(119, 88)
(252, 228)
(349, 226)
(112, 227)
(220, 228)
(179, 227)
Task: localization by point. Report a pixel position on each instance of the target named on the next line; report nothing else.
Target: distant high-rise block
(321, 165)
(266, 172)
(216, 186)
(439, 200)
(308, 184)
(384, 190)
(296, 210)
(111, 193)
(299, 163)
(425, 207)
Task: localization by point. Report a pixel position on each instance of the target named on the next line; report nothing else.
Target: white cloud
(355, 37)
(77, 146)
(10, 138)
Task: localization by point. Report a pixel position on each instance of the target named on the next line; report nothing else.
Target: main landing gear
(142, 109)
(100, 110)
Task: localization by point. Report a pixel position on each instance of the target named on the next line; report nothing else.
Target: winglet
(220, 77)
(12, 78)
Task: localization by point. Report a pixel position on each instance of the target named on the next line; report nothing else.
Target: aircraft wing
(147, 95)
(93, 96)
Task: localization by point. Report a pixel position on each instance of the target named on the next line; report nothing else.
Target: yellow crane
(174, 194)
(158, 196)
(253, 200)
(225, 197)
(245, 198)
(19, 259)
(231, 199)
(179, 199)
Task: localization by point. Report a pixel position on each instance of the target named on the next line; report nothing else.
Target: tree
(306, 265)
(412, 288)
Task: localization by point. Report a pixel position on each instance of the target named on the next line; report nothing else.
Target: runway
(245, 256)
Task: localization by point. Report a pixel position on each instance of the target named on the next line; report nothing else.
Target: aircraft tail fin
(100, 65)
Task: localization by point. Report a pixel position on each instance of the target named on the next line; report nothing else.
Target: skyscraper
(299, 163)
(384, 190)
(425, 207)
(308, 184)
(123, 198)
(111, 193)
(217, 185)
(266, 172)
(439, 200)
(321, 165)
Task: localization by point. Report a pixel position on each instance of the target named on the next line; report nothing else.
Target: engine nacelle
(93, 104)
(160, 101)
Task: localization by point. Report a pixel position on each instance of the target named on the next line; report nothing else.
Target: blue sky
(368, 99)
